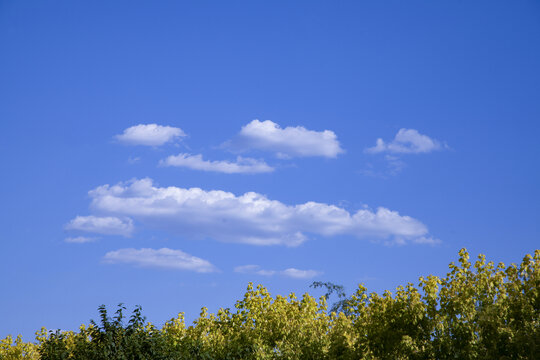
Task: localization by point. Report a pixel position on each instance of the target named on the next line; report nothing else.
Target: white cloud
(427, 240)
(80, 239)
(196, 162)
(300, 274)
(245, 269)
(161, 258)
(249, 218)
(291, 272)
(253, 269)
(149, 135)
(288, 142)
(102, 225)
(406, 141)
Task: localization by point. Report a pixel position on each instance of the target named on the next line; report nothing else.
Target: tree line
(477, 311)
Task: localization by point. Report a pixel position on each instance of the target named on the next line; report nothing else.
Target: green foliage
(111, 339)
(478, 311)
(342, 304)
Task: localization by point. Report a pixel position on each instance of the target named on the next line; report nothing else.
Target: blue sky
(166, 154)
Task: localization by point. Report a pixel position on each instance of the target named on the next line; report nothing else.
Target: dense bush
(478, 311)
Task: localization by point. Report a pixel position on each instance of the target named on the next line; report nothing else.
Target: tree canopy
(477, 311)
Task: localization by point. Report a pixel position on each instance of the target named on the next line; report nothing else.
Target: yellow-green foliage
(478, 311)
(10, 350)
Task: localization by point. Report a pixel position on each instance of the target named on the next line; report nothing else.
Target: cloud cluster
(108, 225)
(291, 272)
(406, 141)
(160, 258)
(250, 218)
(256, 135)
(288, 142)
(149, 135)
(196, 162)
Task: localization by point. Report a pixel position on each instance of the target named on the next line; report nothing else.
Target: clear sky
(167, 153)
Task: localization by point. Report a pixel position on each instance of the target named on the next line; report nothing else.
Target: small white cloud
(291, 272)
(80, 239)
(160, 258)
(196, 162)
(149, 135)
(250, 218)
(427, 240)
(288, 142)
(102, 225)
(245, 269)
(300, 274)
(253, 269)
(406, 141)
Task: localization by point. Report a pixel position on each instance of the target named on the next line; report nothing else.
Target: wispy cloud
(149, 135)
(286, 143)
(395, 164)
(291, 272)
(159, 258)
(427, 240)
(101, 225)
(80, 239)
(300, 274)
(384, 168)
(250, 218)
(253, 269)
(406, 141)
(133, 160)
(196, 162)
